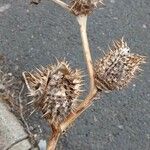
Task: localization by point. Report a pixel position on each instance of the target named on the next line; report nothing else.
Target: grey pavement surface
(31, 36)
(12, 134)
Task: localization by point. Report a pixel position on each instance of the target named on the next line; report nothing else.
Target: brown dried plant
(56, 88)
(84, 7)
(116, 69)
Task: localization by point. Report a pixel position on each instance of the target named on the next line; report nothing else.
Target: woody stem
(54, 138)
(62, 4)
(82, 20)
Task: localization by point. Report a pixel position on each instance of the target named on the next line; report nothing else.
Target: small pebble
(144, 26)
(120, 126)
(95, 119)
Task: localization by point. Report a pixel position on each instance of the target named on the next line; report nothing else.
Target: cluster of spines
(116, 69)
(80, 7)
(55, 90)
(84, 7)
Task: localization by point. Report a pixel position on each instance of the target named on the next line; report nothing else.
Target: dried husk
(84, 7)
(117, 68)
(55, 90)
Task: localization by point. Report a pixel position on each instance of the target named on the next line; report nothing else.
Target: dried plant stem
(82, 107)
(54, 138)
(62, 4)
(82, 20)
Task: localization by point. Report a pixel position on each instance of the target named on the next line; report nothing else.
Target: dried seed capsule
(116, 69)
(55, 90)
(84, 7)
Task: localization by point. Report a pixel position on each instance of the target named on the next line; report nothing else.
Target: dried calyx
(84, 7)
(55, 90)
(77, 7)
(116, 69)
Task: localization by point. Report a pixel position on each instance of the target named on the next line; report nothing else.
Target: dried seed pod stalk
(55, 90)
(84, 7)
(116, 69)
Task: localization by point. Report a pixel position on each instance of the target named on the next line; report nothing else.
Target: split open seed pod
(55, 90)
(84, 7)
(117, 68)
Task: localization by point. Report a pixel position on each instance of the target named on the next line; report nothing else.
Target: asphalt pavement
(34, 35)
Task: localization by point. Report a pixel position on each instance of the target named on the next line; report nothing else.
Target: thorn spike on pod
(32, 112)
(39, 71)
(31, 102)
(117, 68)
(46, 113)
(122, 39)
(109, 48)
(103, 52)
(59, 89)
(57, 61)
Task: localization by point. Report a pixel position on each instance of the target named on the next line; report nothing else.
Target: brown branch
(54, 138)
(62, 4)
(81, 108)
(82, 20)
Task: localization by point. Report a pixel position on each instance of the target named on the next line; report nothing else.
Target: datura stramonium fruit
(116, 69)
(55, 90)
(84, 7)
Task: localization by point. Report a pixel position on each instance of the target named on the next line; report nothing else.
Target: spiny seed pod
(116, 69)
(84, 7)
(55, 90)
